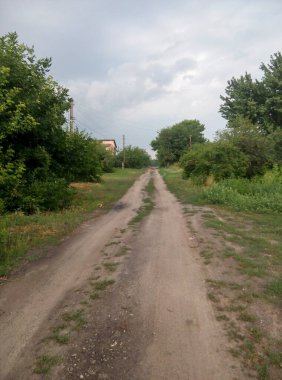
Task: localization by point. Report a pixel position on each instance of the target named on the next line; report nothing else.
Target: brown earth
(155, 323)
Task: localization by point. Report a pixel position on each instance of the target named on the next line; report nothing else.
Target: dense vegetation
(242, 167)
(135, 158)
(38, 157)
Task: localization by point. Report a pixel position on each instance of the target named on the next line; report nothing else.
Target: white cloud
(134, 67)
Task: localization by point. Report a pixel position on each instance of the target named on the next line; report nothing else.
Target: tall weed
(262, 194)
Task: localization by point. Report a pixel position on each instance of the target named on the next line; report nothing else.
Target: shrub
(217, 159)
(54, 194)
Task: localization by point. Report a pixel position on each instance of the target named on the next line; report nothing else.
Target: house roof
(109, 140)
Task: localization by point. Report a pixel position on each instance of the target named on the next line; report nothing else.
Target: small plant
(148, 205)
(111, 267)
(102, 285)
(246, 317)
(45, 363)
(75, 316)
(58, 336)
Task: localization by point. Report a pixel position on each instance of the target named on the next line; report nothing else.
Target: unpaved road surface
(155, 323)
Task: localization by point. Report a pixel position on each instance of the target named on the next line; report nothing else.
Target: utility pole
(190, 141)
(71, 117)
(123, 144)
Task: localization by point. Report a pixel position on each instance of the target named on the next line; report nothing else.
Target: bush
(217, 159)
(48, 195)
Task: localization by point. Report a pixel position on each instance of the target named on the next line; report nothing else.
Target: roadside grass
(184, 190)
(59, 336)
(45, 363)
(77, 318)
(20, 234)
(248, 247)
(148, 204)
(103, 284)
(110, 266)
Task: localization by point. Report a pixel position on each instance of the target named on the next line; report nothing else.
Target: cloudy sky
(136, 66)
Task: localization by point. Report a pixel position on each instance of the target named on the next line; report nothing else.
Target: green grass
(110, 266)
(45, 363)
(148, 204)
(103, 284)
(21, 233)
(58, 336)
(76, 316)
(184, 190)
(262, 194)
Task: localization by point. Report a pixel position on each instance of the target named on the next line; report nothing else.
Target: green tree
(32, 105)
(258, 101)
(38, 157)
(134, 158)
(272, 81)
(173, 141)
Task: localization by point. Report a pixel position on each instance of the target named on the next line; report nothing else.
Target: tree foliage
(217, 159)
(38, 157)
(173, 141)
(258, 101)
(134, 157)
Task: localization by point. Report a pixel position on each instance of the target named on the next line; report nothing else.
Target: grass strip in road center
(147, 206)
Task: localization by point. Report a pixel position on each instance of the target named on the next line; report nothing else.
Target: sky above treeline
(134, 67)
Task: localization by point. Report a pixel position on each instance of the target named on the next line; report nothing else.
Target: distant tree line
(135, 157)
(251, 142)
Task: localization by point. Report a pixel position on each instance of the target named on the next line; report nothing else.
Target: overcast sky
(136, 66)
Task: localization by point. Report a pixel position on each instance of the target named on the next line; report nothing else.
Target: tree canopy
(259, 101)
(38, 156)
(173, 141)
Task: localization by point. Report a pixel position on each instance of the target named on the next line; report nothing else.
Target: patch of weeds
(263, 372)
(248, 346)
(148, 205)
(275, 358)
(45, 363)
(222, 317)
(215, 283)
(256, 333)
(212, 297)
(274, 288)
(111, 267)
(58, 336)
(84, 302)
(207, 254)
(94, 295)
(122, 252)
(75, 316)
(98, 267)
(246, 317)
(102, 285)
(235, 308)
(235, 352)
(122, 230)
(114, 242)
(234, 333)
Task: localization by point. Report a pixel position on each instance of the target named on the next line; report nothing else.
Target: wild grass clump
(262, 194)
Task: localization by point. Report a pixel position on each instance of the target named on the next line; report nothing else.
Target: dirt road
(154, 323)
